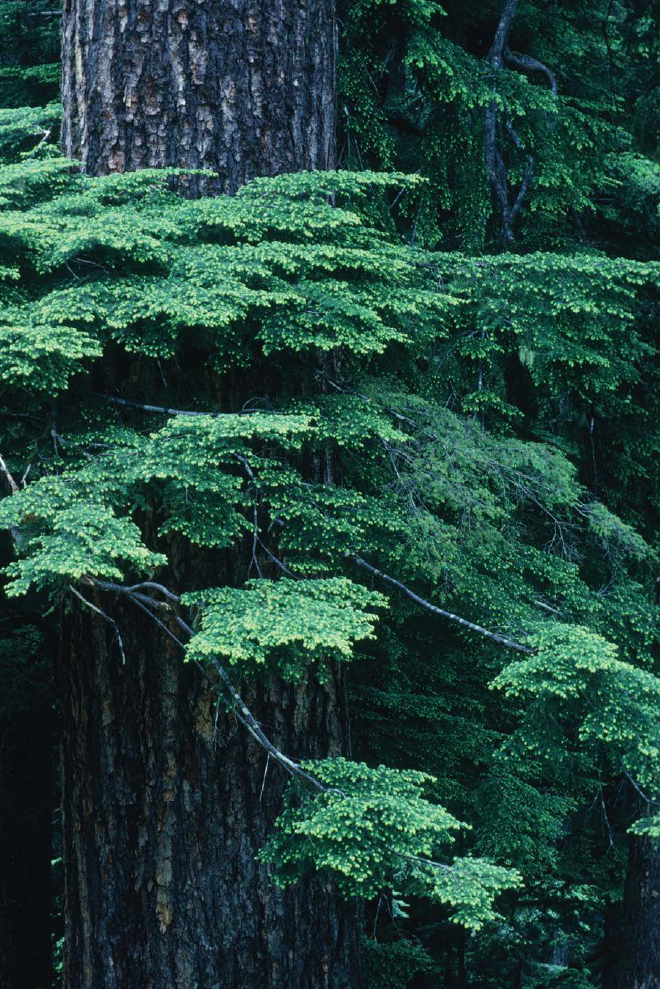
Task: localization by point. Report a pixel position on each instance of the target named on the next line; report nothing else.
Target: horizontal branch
(479, 629)
(164, 410)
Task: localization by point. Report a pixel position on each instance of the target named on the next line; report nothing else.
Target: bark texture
(242, 87)
(165, 812)
(164, 816)
(639, 966)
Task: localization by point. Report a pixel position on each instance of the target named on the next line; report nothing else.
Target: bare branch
(11, 483)
(278, 563)
(493, 636)
(529, 64)
(44, 137)
(164, 410)
(99, 611)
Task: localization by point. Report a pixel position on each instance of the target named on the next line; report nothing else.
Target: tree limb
(494, 56)
(164, 410)
(529, 64)
(479, 629)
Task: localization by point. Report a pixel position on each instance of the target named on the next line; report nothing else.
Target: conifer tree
(167, 802)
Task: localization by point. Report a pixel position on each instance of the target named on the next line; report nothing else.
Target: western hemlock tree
(243, 91)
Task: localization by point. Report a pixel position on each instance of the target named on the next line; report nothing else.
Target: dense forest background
(373, 446)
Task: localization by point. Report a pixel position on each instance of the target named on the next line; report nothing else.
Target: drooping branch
(111, 621)
(502, 640)
(241, 710)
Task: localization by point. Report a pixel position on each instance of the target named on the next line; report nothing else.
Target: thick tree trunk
(164, 814)
(242, 88)
(639, 964)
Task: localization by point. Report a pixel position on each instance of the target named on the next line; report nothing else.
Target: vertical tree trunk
(243, 87)
(639, 965)
(163, 813)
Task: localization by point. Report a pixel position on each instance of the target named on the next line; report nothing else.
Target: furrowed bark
(162, 830)
(164, 812)
(639, 937)
(240, 88)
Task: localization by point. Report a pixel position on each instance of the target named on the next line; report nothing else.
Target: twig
(263, 782)
(255, 510)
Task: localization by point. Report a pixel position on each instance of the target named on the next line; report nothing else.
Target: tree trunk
(163, 813)
(242, 88)
(639, 965)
